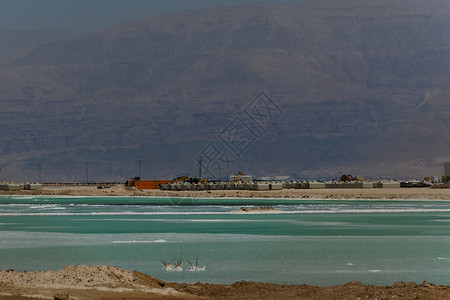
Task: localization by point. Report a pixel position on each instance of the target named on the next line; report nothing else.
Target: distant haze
(89, 15)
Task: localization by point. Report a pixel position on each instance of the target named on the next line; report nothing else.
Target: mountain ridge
(353, 79)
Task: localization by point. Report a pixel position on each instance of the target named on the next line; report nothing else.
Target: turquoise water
(311, 242)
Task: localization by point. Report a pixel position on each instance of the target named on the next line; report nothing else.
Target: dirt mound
(82, 276)
(352, 290)
(84, 282)
(105, 282)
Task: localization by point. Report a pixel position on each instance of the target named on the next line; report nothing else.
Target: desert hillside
(359, 87)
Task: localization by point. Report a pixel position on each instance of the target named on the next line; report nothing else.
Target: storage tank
(304, 185)
(230, 186)
(32, 186)
(220, 186)
(185, 186)
(276, 186)
(194, 187)
(353, 185)
(10, 187)
(332, 185)
(248, 186)
(261, 186)
(295, 185)
(367, 185)
(239, 186)
(316, 185)
(391, 184)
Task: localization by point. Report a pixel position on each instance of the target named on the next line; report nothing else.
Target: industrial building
(20, 186)
(276, 185)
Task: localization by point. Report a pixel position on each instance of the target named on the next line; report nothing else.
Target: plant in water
(195, 267)
(170, 266)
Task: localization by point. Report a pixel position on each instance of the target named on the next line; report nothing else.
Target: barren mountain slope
(359, 86)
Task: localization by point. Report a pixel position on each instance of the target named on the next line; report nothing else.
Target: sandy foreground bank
(376, 194)
(105, 282)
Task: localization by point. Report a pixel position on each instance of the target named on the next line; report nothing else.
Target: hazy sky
(88, 15)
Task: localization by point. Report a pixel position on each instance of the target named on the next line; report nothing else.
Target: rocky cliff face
(352, 86)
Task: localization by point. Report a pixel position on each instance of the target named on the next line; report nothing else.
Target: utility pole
(140, 163)
(446, 167)
(87, 173)
(40, 172)
(200, 167)
(273, 171)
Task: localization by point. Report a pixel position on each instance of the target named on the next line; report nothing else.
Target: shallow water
(310, 242)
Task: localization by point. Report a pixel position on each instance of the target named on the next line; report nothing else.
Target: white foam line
(182, 220)
(116, 214)
(48, 196)
(355, 211)
(139, 242)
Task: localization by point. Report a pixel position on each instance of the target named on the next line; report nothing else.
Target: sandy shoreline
(369, 194)
(106, 282)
